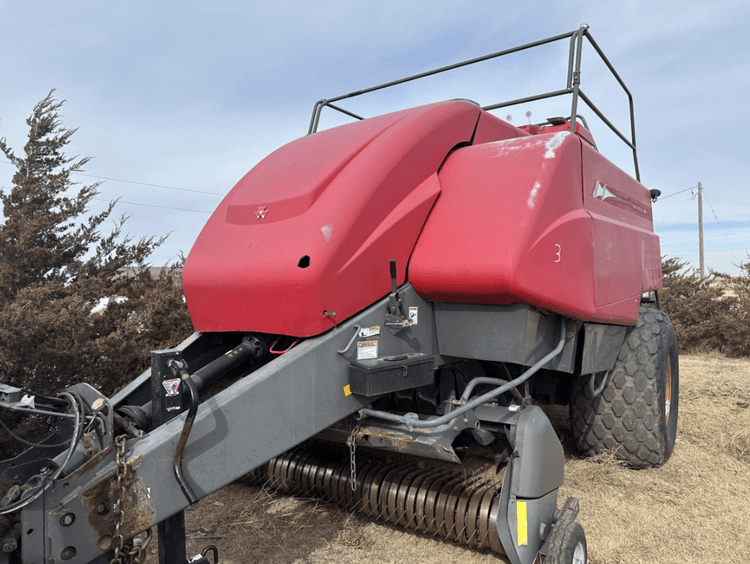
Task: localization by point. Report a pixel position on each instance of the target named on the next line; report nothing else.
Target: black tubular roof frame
(573, 86)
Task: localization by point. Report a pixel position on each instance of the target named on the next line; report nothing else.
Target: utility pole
(700, 228)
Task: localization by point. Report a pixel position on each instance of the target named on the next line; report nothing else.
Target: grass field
(694, 509)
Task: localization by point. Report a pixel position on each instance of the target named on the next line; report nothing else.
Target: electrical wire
(79, 412)
(34, 411)
(77, 432)
(152, 185)
(98, 417)
(29, 443)
(5, 161)
(680, 192)
(712, 211)
(152, 206)
(144, 184)
(720, 227)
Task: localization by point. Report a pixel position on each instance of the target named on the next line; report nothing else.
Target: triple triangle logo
(602, 191)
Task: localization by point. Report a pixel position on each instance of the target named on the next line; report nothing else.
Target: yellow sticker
(522, 525)
(347, 390)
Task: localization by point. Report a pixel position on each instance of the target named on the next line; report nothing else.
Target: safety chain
(135, 554)
(122, 472)
(351, 441)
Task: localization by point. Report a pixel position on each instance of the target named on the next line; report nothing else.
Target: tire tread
(627, 416)
(562, 542)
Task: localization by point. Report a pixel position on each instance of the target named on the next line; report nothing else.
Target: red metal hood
(312, 227)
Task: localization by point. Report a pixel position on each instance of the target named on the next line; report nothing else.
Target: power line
(680, 192)
(722, 228)
(148, 184)
(143, 184)
(139, 183)
(152, 206)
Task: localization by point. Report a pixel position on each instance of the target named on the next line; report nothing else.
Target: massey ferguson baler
(408, 287)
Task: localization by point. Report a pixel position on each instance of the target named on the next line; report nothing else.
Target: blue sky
(181, 99)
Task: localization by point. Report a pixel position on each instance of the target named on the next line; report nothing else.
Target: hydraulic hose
(177, 460)
(412, 419)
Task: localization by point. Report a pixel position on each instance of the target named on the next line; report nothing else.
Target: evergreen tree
(708, 313)
(56, 266)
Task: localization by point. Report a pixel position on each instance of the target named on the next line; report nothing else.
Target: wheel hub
(579, 554)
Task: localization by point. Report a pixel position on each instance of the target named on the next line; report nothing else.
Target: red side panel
(312, 227)
(509, 228)
(627, 257)
(516, 222)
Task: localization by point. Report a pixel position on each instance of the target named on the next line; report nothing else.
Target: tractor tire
(566, 544)
(636, 412)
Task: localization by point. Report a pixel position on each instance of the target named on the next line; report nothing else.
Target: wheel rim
(668, 392)
(579, 554)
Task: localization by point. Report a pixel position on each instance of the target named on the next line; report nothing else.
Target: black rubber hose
(177, 460)
(219, 367)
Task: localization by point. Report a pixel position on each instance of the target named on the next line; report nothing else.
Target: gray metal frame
(264, 413)
(573, 87)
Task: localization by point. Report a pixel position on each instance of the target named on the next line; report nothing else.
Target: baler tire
(636, 412)
(566, 544)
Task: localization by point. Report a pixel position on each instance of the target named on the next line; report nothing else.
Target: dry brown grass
(694, 509)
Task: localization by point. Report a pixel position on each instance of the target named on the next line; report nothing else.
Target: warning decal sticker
(367, 332)
(367, 350)
(172, 386)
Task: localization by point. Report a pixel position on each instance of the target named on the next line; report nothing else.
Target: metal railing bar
(573, 85)
(616, 131)
(604, 58)
(454, 66)
(635, 163)
(318, 108)
(571, 54)
(619, 79)
(342, 110)
(577, 73)
(314, 117)
(526, 99)
(446, 68)
(598, 112)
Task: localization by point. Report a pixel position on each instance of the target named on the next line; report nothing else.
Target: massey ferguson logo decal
(262, 211)
(601, 191)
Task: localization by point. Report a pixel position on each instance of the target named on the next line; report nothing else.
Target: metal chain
(136, 554)
(351, 441)
(119, 510)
